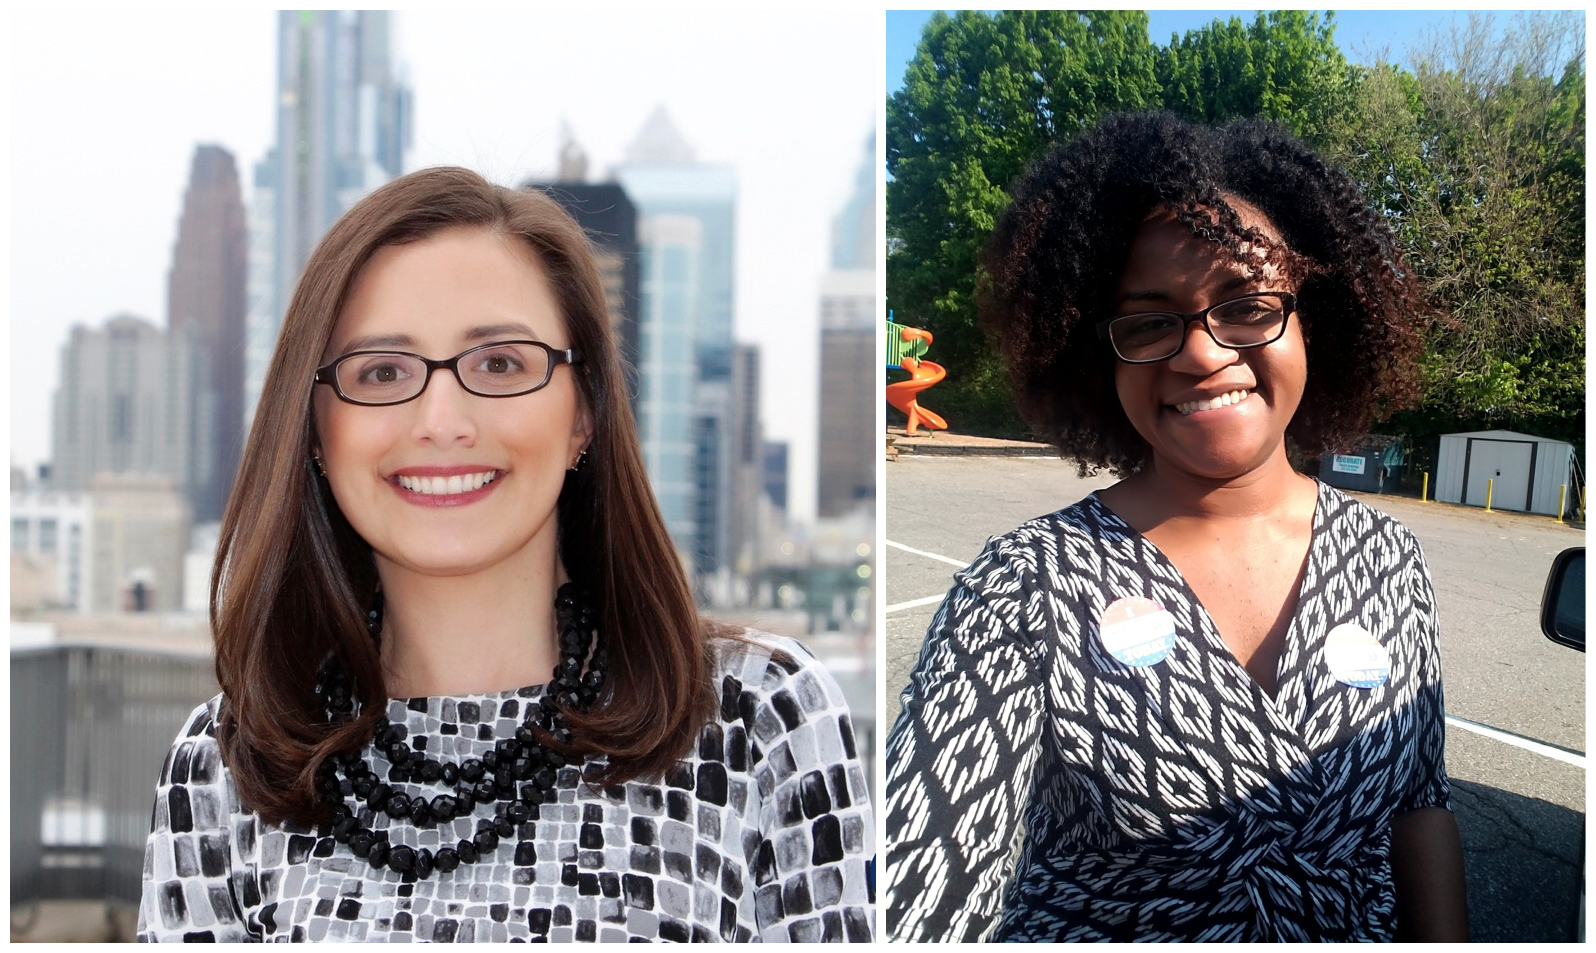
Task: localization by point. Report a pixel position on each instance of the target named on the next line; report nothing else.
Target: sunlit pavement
(1521, 812)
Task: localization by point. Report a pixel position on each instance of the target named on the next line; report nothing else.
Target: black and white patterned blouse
(1173, 800)
(763, 833)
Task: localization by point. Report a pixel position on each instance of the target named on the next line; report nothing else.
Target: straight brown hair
(293, 580)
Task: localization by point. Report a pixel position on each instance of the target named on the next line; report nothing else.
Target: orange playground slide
(922, 374)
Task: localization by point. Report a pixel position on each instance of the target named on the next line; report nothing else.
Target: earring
(579, 458)
(319, 467)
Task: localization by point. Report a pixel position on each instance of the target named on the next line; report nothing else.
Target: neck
(488, 631)
(1169, 493)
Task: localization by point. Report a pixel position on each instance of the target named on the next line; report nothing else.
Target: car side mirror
(1563, 603)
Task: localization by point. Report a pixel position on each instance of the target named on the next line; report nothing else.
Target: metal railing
(90, 728)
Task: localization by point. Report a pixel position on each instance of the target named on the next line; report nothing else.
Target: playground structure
(906, 348)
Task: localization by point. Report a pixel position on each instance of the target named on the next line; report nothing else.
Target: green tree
(983, 96)
(1285, 66)
(1477, 159)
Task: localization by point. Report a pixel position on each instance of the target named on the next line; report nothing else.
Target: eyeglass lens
(499, 370)
(1244, 322)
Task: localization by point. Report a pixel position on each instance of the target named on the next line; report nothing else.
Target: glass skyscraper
(687, 409)
(343, 125)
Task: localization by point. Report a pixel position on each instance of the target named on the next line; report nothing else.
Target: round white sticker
(1355, 658)
(1137, 631)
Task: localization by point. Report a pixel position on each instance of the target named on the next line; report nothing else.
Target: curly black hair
(1057, 252)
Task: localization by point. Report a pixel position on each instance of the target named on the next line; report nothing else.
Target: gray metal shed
(1527, 471)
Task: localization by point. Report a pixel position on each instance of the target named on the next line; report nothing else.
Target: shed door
(1505, 462)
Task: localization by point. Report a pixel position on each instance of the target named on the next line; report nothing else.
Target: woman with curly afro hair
(1204, 703)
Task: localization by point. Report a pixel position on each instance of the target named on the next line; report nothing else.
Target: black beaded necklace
(516, 775)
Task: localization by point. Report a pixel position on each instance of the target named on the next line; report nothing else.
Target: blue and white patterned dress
(762, 833)
(1176, 800)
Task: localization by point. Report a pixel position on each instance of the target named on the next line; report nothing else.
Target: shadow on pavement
(1522, 858)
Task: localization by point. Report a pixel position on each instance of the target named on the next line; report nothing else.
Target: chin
(448, 555)
(443, 564)
(1221, 466)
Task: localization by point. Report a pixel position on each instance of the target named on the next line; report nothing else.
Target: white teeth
(1223, 400)
(446, 486)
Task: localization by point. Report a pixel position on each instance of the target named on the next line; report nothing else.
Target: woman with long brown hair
(442, 500)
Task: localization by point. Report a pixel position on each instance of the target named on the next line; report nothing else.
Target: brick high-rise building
(206, 304)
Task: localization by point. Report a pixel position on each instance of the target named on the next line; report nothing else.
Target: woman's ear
(581, 435)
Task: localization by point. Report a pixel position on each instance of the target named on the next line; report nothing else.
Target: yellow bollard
(1488, 488)
(1562, 493)
(1582, 504)
(1424, 494)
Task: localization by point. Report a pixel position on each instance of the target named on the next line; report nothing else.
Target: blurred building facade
(848, 358)
(344, 122)
(694, 410)
(139, 533)
(50, 539)
(206, 303)
(125, 404)
(609, 218)
(775, 474)
(747, 458)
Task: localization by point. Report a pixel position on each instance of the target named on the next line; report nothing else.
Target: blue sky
(1359, 33)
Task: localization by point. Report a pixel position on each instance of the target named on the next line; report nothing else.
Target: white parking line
(1519, 741)
(914, 603)
(961, 563)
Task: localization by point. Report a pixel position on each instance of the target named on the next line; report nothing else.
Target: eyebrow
(481, 332)
(1236, 281)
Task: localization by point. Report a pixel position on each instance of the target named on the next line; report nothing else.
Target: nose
(444, 413)
(1201, 355)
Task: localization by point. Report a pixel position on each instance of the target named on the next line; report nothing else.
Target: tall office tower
(125, 404)
(205, 301)
(848, 358)
(343, 125)
(610, 219)
(745, 463)
(775, 473)
(684, 332)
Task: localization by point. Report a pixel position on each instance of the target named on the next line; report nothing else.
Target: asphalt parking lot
(1519, 799)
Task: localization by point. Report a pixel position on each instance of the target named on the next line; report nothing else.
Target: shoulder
(195, 757)
(774, 684)
(195, 791)
(1360, 527)
(766, 663)
(1040, 546)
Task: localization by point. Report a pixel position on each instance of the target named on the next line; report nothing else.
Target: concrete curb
(970, 450)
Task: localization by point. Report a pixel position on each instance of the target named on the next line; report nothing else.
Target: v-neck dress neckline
(1291, 651)
(1171, 800)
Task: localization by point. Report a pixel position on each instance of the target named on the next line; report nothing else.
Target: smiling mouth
(1214, 403)
(449, 485)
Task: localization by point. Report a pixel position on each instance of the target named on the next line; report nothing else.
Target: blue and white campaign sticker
(1137, 631)
(1355, 658)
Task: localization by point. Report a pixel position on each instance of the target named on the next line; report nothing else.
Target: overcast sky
(107, 106)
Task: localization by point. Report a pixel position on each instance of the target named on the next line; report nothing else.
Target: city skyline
(792, 143)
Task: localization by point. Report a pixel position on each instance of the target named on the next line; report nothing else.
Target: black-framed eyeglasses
(1251, 320)
(501, 369)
